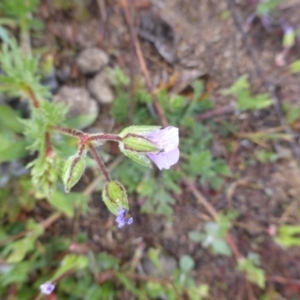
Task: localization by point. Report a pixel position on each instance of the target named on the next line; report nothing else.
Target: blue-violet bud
(123, 218)
(47, 288)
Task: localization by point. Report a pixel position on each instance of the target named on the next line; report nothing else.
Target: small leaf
(195, 236)
(80, 122)
(63, 203)
(295, 67)
(186, 263)
(13, 151)
(10, 119)
(70, 262)
(219, 246)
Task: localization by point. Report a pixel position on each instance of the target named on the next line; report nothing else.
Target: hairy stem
(105, 137)
(69, 131)
(99, 161)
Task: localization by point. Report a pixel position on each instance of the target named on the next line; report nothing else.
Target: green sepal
(288, 39)
(138, 157)
(139, 144)
(73, 170)
(144, 129)
(115, 197)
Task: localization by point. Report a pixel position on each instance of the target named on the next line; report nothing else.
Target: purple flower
(47, 288)
(167, 140)
(123, 218)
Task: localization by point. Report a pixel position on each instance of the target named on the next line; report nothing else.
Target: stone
(100, 88)
(92, 60)
(79, 101)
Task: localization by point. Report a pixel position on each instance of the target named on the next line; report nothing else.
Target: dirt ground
(201, 39)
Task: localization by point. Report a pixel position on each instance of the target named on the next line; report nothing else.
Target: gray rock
(100, 88)
(92, 60)
(79, 101)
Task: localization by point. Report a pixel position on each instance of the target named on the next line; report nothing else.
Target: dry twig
(142, 63)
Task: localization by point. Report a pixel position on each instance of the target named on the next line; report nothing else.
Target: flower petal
(164, 160)
(167, 139)
(123, 218)
(47, 288)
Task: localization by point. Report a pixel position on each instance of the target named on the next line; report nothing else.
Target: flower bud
(115, 197)
(140, 130)
(289, 36)
(73, 170)
(136, 156)
(136, 145)
(142, 143)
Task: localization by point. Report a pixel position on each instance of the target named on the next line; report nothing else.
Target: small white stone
(100, 88)
(79, 101)
(92, 60)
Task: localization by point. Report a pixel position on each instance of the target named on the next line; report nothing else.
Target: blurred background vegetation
(221, 224)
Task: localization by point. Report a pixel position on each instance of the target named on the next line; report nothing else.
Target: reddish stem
(49, 148)
(105, 137)
(69, 131)
(99, 161)
(33, 98)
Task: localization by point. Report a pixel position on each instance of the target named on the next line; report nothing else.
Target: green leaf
(186, 263)
(10, 119)
(254, 274)
(16, 251)
(153, 255)
(295, 67)
(80, 122)
(5, 35)
(62, 202)
(12, 150)
(288, 235)
(239, 85)
(219, 246)
(195, 236)
(266, 7)
(129, 285)
(71, 262)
